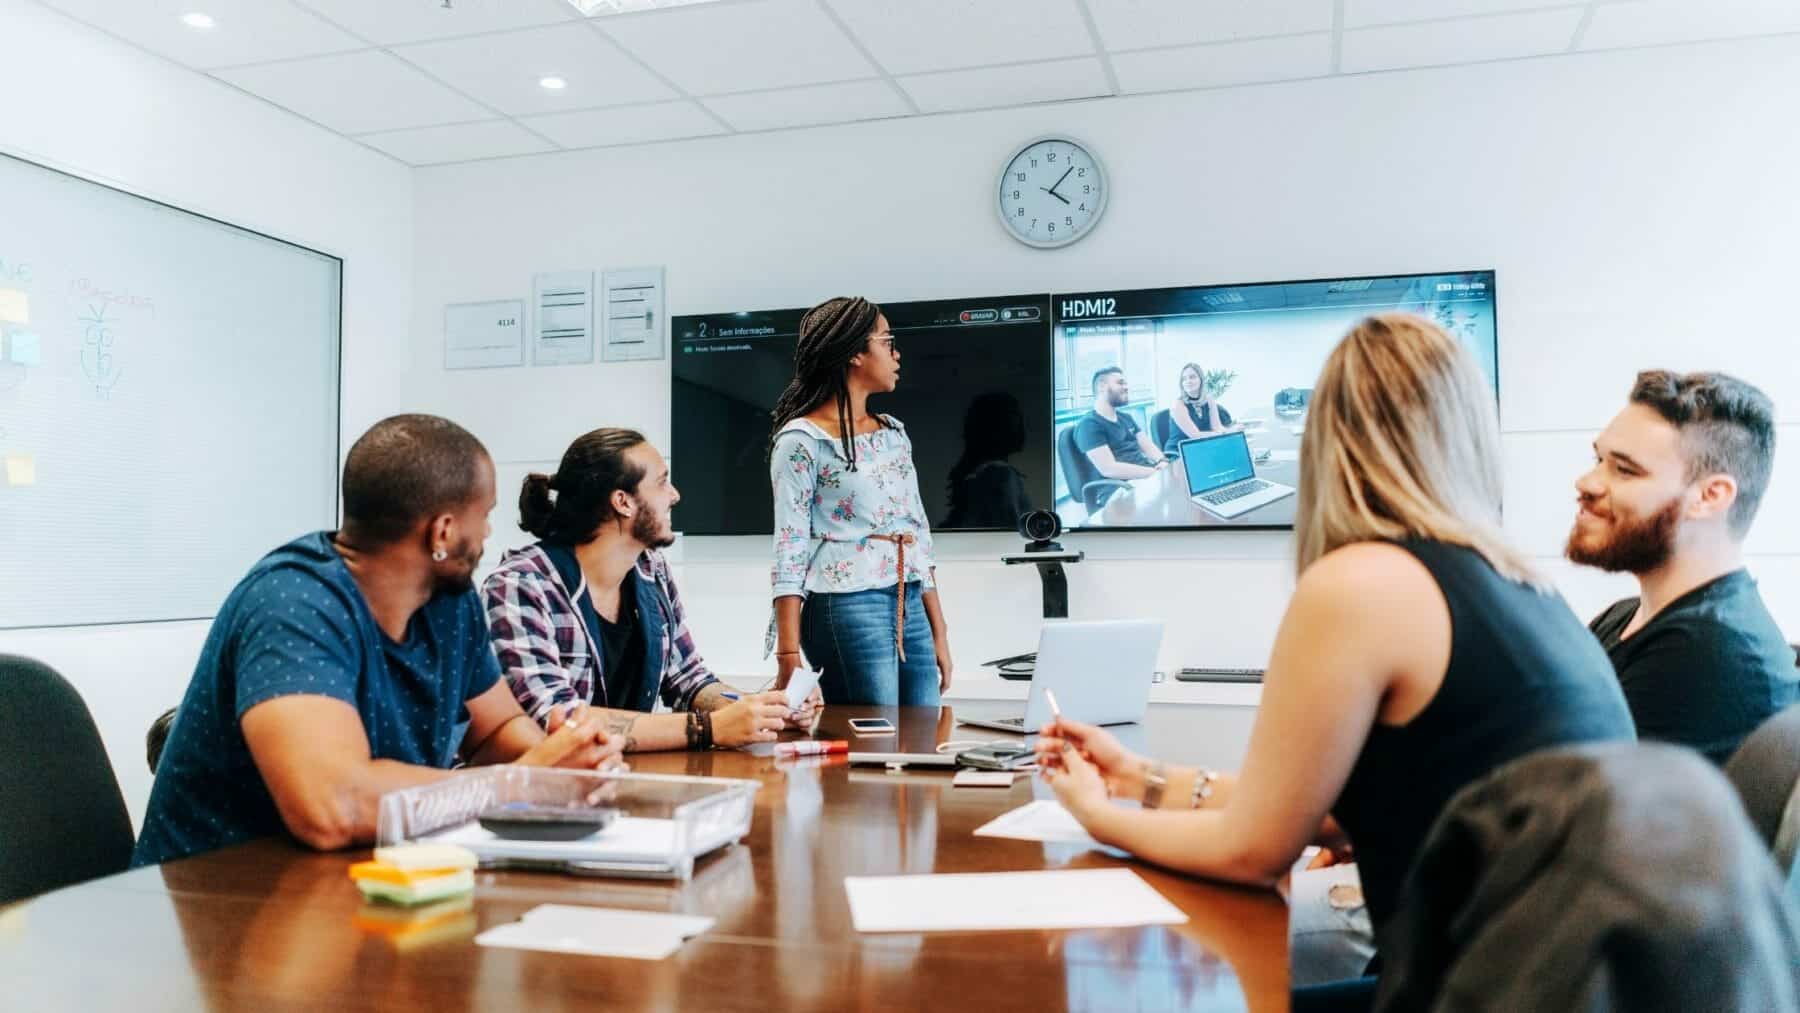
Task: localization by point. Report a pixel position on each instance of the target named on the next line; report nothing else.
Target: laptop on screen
(1221, 478)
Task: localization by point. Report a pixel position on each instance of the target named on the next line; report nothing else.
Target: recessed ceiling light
(195, 19)
(553, 83)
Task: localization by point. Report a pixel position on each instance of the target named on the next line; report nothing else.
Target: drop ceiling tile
(357, 93)
(244, 31)
(1658, 22)
(1224, 63)
(661, 121)
(809, 106)
(503, 70)
(457, 143)
(1141, 24)
(388, 22)
(990, 87)
(919, 36)
(1363, 13)
(1472, 40)
(710, 50)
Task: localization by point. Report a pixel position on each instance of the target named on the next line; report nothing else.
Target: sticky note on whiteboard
(15, 306)
(21, 469)
(25, 348)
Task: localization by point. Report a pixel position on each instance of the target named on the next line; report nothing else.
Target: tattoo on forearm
(621, 724)
(710, 698)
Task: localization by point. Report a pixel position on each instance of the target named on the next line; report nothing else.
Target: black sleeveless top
(1524, 675)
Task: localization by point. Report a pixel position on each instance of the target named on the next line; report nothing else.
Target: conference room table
(1162, 500)
(269, 925)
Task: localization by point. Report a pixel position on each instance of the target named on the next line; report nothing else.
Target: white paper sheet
(1070, 899)
(800, 687)
(598, 932)
(1042, 820)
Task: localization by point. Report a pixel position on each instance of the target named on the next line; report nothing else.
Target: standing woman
(1195, 413)
(855, 585)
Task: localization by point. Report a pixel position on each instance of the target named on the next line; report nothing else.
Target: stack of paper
(1075, 899)
(1043, 820)
(597, 932)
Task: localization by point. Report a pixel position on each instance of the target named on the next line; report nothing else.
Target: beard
(652, 530)
(1637, 544)
(465, 557)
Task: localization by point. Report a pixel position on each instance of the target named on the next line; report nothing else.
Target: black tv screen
(975, 397)
(1129, 362)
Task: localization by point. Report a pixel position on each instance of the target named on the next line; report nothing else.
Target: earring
(440, 555)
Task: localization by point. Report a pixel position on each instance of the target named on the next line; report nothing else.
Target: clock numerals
(1050, 193)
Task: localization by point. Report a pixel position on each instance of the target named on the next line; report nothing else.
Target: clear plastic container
(665, 821)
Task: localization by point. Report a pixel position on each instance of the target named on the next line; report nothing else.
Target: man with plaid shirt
(590, 613)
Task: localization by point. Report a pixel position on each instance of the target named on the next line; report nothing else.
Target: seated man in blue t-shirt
(351, 663)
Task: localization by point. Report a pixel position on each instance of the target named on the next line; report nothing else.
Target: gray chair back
(1765, 770)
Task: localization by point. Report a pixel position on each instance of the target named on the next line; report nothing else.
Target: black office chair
(1615, 876)
(1085, 483)
(62, 819)
(1765, 770)
(1162, 431)
(158, 737)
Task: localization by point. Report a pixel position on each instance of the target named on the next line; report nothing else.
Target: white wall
(82, 102)
(1638, 207)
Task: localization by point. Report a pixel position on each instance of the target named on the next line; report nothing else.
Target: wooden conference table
(270, 926)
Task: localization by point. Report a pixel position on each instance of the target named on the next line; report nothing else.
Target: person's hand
(808, 711)
(942, 647)
(1078, 786)
(753, 718)
(786, 664)
(577, 741)
(1121, 769)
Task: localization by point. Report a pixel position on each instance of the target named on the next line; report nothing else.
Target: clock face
(1051, 192)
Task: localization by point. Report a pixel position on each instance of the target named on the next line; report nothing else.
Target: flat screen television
(1129, 366)
(974, 395)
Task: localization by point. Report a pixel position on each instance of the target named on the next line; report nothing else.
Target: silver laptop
(1101, 673)
(1221, 478)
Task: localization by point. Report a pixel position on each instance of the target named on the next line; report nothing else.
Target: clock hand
(1059, 180)
(1053, 193)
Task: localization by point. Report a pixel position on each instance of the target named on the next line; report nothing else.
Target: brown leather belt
(901, 541)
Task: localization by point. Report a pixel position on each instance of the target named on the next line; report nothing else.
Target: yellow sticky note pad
(21, 469)
(15, 306)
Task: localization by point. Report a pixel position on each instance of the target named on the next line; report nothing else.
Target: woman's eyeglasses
(888, 339)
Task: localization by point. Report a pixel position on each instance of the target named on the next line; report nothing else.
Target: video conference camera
(1040, 528)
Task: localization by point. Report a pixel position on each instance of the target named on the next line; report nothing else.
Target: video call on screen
(994, 389)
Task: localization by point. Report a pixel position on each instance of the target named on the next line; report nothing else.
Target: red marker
(811, 747)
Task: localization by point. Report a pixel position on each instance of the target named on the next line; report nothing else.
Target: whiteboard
(168, 402)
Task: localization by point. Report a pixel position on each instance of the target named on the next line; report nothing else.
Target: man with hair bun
(351, 663)
(590, 614)
(1676, 482)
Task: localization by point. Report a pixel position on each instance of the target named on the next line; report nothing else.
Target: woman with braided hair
(855, 584)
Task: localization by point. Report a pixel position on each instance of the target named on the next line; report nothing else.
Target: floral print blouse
(825, 513)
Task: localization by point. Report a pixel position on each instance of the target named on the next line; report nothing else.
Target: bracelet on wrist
(1203, 788)
(706, 730)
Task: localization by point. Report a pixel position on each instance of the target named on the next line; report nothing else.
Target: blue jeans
(850, 639)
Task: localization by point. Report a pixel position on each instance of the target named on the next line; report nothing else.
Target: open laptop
(1221, 478)
(1101, 674)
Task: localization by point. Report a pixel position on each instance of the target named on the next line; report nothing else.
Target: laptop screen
(1216, 461)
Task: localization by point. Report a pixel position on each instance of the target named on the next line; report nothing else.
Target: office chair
(1162, 430)
(62, 819)
(1765, 770)
(158, 737)
(1611, 876)
(1085, 483)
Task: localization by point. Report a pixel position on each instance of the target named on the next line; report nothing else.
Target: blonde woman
(1419, 651)
(1195, 413)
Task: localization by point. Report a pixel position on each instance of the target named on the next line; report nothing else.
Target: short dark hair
(592, 469)
(1726, 426)
(1101, 374)
(406, 469)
